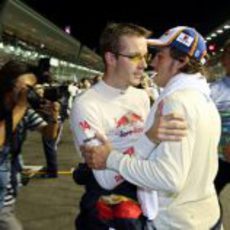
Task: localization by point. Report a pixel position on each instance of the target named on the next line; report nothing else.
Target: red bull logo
(129, 124)
(129, 151)
(84, 125)
(129, 118)
(122, 121)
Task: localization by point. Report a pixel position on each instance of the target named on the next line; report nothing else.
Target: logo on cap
(185, 39)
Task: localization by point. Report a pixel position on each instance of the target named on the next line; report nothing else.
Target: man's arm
(51, 130)
(171, 127)
(85, 122)
(34, 121)
(135, 170)
(168, 127)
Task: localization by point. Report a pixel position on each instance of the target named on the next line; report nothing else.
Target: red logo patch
(84, 125)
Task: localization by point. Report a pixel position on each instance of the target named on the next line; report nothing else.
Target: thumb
(102, 138)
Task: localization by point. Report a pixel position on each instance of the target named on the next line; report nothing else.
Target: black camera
(51, 93)
(54, 93)
(33, 98)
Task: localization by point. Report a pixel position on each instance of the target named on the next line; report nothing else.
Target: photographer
(16, 80)
(49, 108)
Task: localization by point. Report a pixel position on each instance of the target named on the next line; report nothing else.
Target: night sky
(87, 21)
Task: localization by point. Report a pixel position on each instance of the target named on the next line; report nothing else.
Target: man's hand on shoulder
(170, 127)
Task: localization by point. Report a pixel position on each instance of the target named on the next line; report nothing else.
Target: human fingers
(173, 123)
(164, 137)
(172, 132)
(85, 148)
(88, 159)
(174, 116)
(101, 138)
(93, 161)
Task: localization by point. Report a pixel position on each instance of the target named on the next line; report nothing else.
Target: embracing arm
(85, 122)
(163, 170)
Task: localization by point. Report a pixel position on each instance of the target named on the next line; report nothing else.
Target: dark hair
(44, 64)
(193, 66)
(42, 71)
(9, 74)
(111, 35)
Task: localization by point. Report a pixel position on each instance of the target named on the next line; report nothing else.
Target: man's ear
(110, 58)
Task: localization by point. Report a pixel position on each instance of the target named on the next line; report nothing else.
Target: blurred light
(213, 35)
(11, 48)
(27, 53)
(68, 29)
(42, 56)
(208, 38)
(72, 65)
(18, 51)
(212, 47)
(219, 31)
(226, 27)
(54, 62)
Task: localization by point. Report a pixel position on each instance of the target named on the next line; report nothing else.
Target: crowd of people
(149, 160)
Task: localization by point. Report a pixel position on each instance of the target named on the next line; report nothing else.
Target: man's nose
(143, 63)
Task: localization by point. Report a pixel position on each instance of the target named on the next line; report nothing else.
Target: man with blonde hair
(116, 109)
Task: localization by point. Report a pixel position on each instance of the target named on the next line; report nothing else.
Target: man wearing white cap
(182, 172)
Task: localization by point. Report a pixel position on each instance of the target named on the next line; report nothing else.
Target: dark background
(88, 18)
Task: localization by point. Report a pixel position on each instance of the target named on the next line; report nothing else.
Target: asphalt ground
(52, 204)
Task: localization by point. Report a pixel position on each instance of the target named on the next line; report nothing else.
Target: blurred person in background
(146, 85)
(73, 92)
(96, 79)
(16, 81)
(21, 75)
(43, 73)
(84, 84)
(220, 92)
